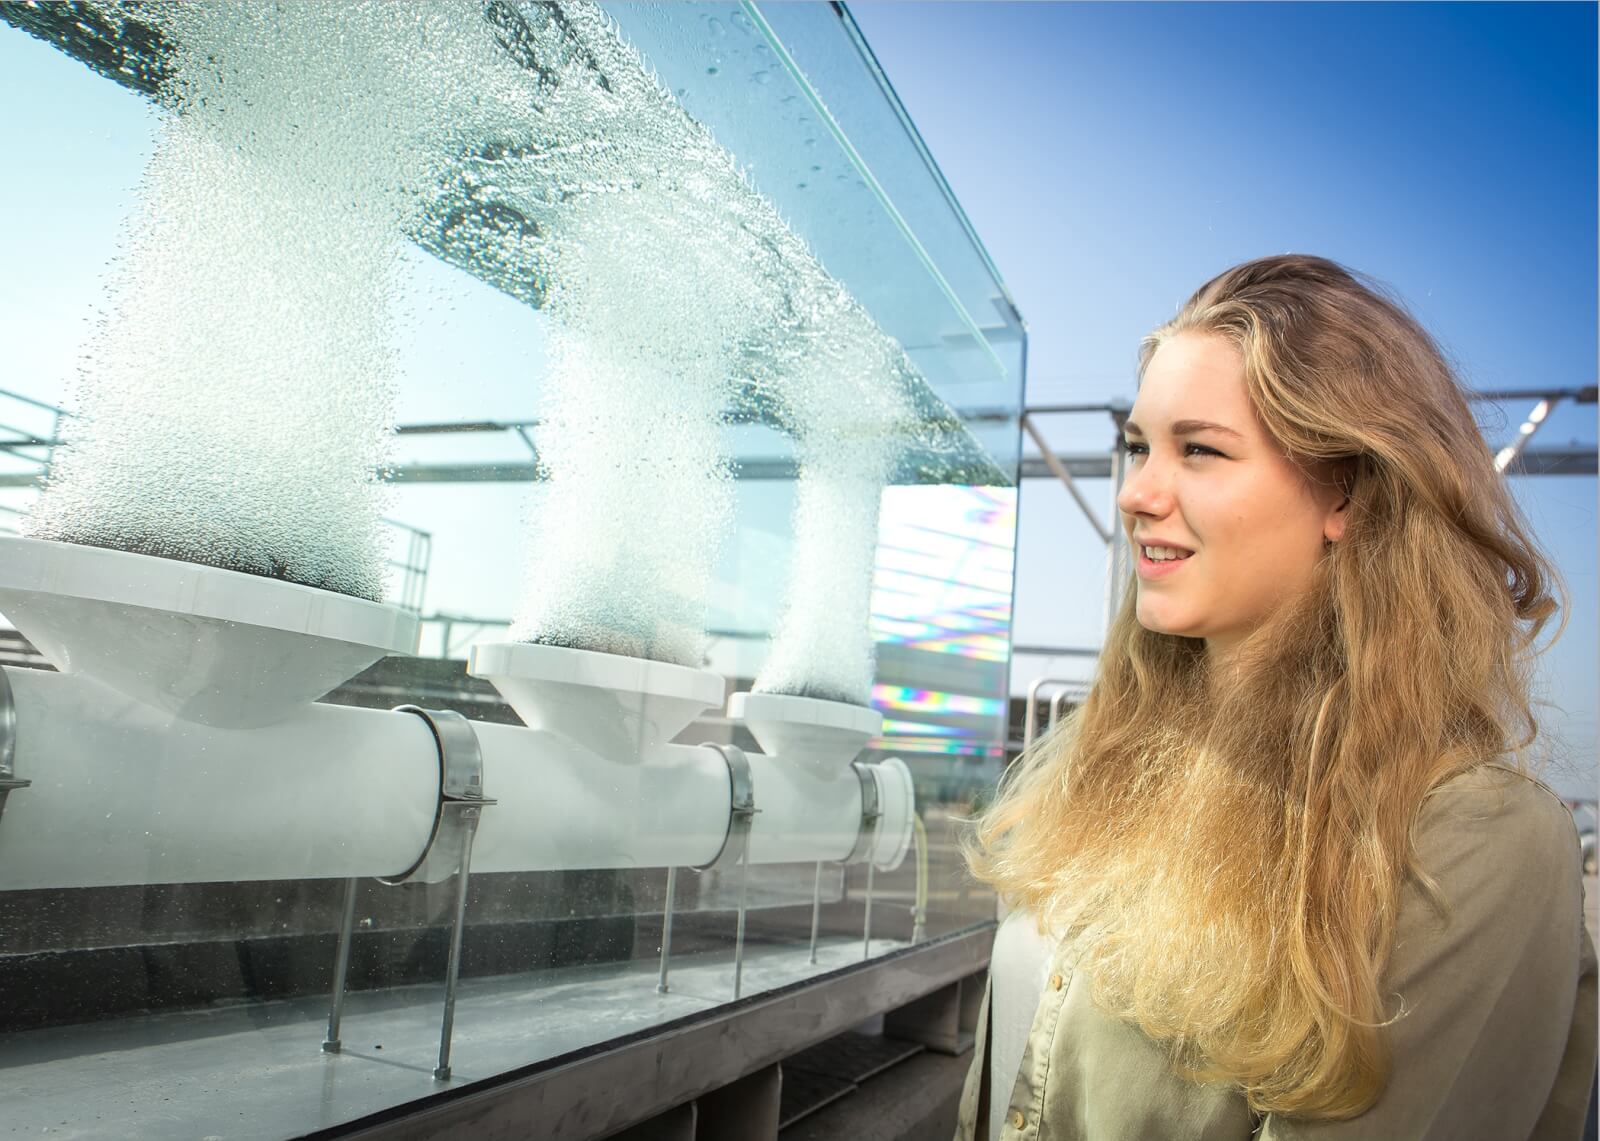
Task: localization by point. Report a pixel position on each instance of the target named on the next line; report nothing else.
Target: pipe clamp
(871, 812)
(741, 807)
(460, 795)
(9, 781)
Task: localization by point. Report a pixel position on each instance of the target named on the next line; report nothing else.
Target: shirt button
(1018, 1120)
(1055, 982)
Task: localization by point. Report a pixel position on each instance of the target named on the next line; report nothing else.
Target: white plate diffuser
(615, 705)
(214, 646)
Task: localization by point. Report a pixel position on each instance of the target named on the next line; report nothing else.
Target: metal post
(1116, 541)
(341, 968)
(469, 828)
(1057, 700)
(816, 910)
(866, 927)
(736, 842)
(1030, 714)
(1059, 470)
(738, 936)
(666, 929)
(1504, 458)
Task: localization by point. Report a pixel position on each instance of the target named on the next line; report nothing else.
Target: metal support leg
(738, 936)
(816, 911)
(469, 828)
(666, 929)
(736, 843)
(341, 968)
(866, 927)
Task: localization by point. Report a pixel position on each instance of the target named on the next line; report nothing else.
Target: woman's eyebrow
(1187, 428)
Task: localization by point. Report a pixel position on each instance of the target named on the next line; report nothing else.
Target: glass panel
(561, 371)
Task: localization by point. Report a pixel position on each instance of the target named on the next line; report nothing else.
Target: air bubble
(671, 285)
(234, 408)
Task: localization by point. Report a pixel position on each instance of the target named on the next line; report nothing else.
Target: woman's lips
(1151, 569)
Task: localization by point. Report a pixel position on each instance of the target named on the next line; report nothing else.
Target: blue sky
(1114, 156)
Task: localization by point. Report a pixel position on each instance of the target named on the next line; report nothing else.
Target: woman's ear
(1333, 525)
(1344, 478)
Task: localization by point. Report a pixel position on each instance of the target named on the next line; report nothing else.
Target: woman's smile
(1150, 569)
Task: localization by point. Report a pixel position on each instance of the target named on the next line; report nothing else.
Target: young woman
(1283, 874)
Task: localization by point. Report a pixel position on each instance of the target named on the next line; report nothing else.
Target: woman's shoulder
(1495, 824)
(1495, 793)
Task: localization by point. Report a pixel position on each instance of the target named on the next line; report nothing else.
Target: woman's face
(1203, 476)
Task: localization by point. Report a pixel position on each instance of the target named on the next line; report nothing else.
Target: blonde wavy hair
(1235, 848)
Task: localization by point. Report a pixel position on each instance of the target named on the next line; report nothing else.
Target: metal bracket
(741, 811)
(871, 813)
(741, 807)
(9, 781)
(866, 836)
(460, 795)
(735, 850)
(448, 852)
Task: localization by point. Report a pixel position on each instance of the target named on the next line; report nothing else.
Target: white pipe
(561, 806)
(123, 794)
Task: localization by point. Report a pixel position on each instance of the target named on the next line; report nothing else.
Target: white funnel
(214, 646)
(823, 736)
(618, 707)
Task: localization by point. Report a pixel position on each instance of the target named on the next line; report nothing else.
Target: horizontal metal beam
(1582, 394)
(1058, 651)
(521, 471)
(1109, 407)
(1570, 459)
(599, 1094)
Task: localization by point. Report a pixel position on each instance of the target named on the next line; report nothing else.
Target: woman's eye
(1131, 448)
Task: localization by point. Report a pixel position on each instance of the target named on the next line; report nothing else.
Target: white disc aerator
(616, 705)
(218, 647)
(824, 736)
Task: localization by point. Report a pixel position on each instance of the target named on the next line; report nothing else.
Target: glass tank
(507, 517)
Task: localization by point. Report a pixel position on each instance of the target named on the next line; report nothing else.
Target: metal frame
(866, 837)
(598, 1094)
(9, 781)
(414, 566)
(1070, 687)
(735, 850)
(447, 853)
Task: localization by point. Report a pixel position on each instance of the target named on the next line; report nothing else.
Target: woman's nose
(1145, 490)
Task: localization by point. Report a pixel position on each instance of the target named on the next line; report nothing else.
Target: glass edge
(853, 30)
(819, 105)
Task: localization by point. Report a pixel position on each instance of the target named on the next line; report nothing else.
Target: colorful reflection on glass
(941, 612)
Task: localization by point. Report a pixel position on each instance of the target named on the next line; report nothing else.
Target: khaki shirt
(1498, 1041)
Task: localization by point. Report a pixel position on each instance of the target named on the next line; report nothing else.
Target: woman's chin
(1166, 624)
